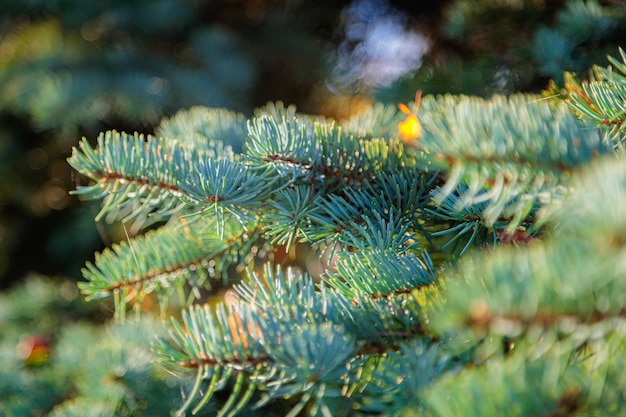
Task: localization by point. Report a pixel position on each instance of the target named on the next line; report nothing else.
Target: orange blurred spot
(241, 331)
(34, 350)
(411, 129)
(237, 330)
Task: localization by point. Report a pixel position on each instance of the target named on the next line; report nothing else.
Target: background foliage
(67, 71)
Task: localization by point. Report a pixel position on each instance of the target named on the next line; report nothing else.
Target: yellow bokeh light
(410, 129)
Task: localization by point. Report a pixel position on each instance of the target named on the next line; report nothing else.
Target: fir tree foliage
(520, 169)
(475, 271)
(601, 102)
(52, 363)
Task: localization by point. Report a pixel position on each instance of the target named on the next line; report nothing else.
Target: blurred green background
(70, 68)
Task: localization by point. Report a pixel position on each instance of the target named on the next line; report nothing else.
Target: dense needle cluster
(487, 256)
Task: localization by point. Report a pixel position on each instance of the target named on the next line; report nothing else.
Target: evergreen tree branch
(386, 324)
(463, 225)
(378, 121)
(384, 211)
(398, 381)
(138, 177)
(510, 291)
(510, 152)
(131, 173)
(161, 261)
(512, 387)
(302, 149)
(292, 212)
(299, 352)
(199, 126)
(379, 274)
(306, 342)
(220, 186)
(602, 102)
